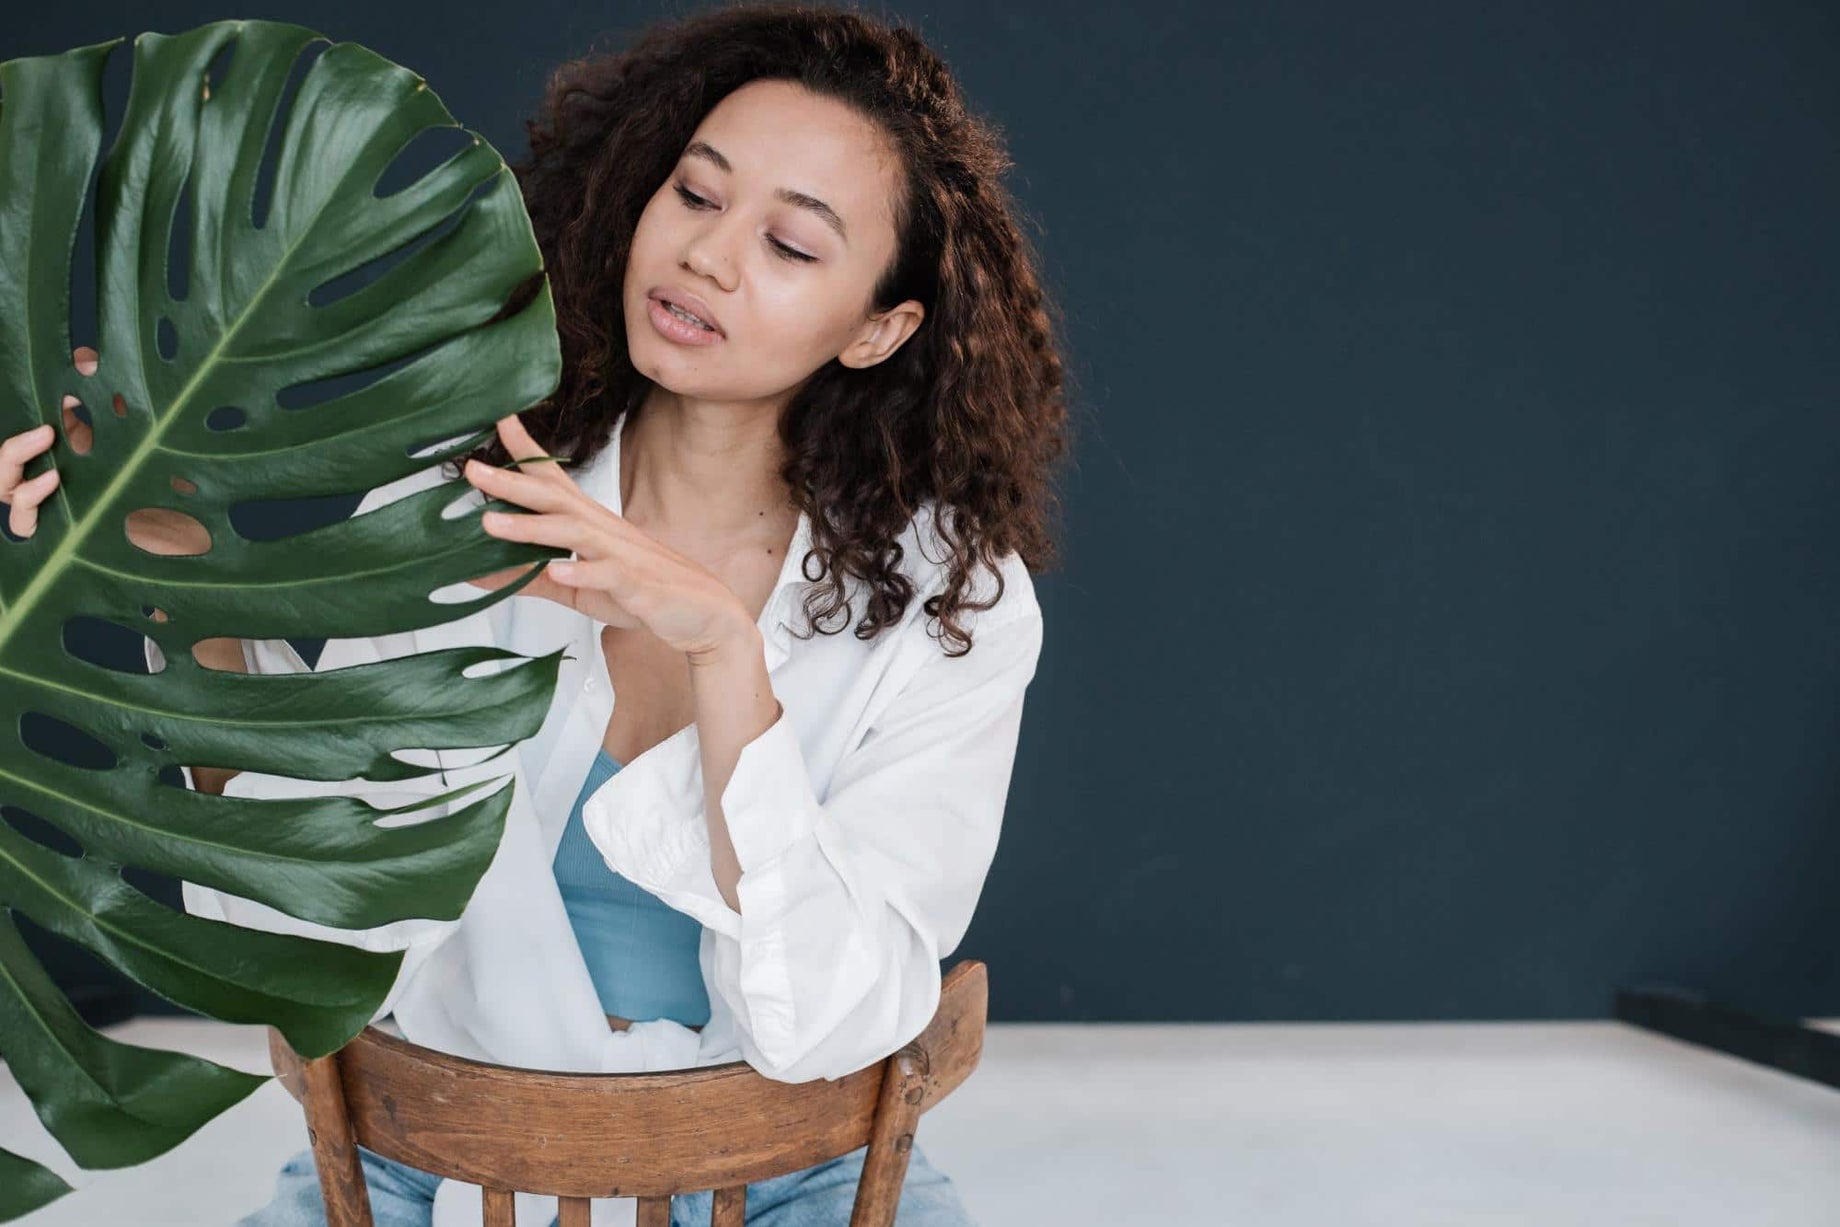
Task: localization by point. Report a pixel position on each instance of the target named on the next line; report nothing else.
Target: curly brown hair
(968, 412)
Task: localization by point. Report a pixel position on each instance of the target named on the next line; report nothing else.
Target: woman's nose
(712, 254)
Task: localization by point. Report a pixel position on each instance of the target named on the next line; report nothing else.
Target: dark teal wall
(1447, 627)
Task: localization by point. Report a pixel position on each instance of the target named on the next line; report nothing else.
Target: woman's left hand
(620, 575)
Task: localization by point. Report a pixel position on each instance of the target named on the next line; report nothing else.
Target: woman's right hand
(158, 530)
(25, 496)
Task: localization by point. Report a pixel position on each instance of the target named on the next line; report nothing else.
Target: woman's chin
(678, 377)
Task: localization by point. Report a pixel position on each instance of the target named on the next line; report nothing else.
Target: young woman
(799, 326)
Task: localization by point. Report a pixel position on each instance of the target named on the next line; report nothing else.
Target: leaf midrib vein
(54, 566)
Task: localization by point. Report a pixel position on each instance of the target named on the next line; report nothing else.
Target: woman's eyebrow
(709, 153)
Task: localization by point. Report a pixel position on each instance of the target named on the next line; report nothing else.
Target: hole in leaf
(423, 154)
(179, 245)
(218, 645)
(284, 106)
(463, 590)
(183, 486)
(350, 282)
(455, 594)
(121, 406)
(116, 84)
(63, 742)
(153, 742)
(319, 391)
(226, 417)
(158, 887)
(108, 644)
(467, 501)
(446, 449)
(489, 668)
(416, 756)
(166, 339)
(167, 532)
(272, 519)
(79, 431)
(218, 70)
(40, 832)
(472, 756)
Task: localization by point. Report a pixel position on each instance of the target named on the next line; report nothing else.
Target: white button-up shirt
(864, 819)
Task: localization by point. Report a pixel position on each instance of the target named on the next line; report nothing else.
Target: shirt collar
(601, 479)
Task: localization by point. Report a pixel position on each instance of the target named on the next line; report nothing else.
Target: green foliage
(187, 412)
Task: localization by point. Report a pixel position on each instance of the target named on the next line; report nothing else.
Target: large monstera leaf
(187, 413)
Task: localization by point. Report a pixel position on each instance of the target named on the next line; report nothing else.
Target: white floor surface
(1273, 1125)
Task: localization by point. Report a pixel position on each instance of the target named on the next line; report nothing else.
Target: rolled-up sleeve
(849, 901)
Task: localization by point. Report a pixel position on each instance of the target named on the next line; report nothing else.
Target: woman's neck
(696, 470)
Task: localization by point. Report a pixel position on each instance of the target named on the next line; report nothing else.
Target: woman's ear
(883, 334)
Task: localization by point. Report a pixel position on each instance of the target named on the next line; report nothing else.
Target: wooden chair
(643, 1135)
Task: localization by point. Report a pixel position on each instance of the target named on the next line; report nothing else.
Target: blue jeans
(820, 1196)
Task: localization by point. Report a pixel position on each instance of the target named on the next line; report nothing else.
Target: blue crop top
(641, 952)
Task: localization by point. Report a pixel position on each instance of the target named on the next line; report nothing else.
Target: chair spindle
(335, 1149)
(500, 1206)
(728, 1207)
(891, 1138)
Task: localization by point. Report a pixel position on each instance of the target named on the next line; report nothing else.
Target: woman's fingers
(532, 491)
(24, 496)
(14, 453)
(516, 439)
(22, 519)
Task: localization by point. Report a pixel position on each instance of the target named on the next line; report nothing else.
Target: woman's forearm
(734, 704)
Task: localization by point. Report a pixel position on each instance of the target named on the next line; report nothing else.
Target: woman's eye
(692, 200)
(791, 253)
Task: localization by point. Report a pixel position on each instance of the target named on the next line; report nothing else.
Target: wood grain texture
(335, 1151)
(891, 1137)
(645, 1135)
(728, 1207)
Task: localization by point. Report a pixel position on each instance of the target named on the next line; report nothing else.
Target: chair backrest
(644, 1135)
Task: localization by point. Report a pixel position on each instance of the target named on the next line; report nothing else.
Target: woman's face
(786, 277)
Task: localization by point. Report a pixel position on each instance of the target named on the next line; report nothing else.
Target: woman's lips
(673, 329)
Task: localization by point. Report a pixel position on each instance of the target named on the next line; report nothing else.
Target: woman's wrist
(741, 642)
